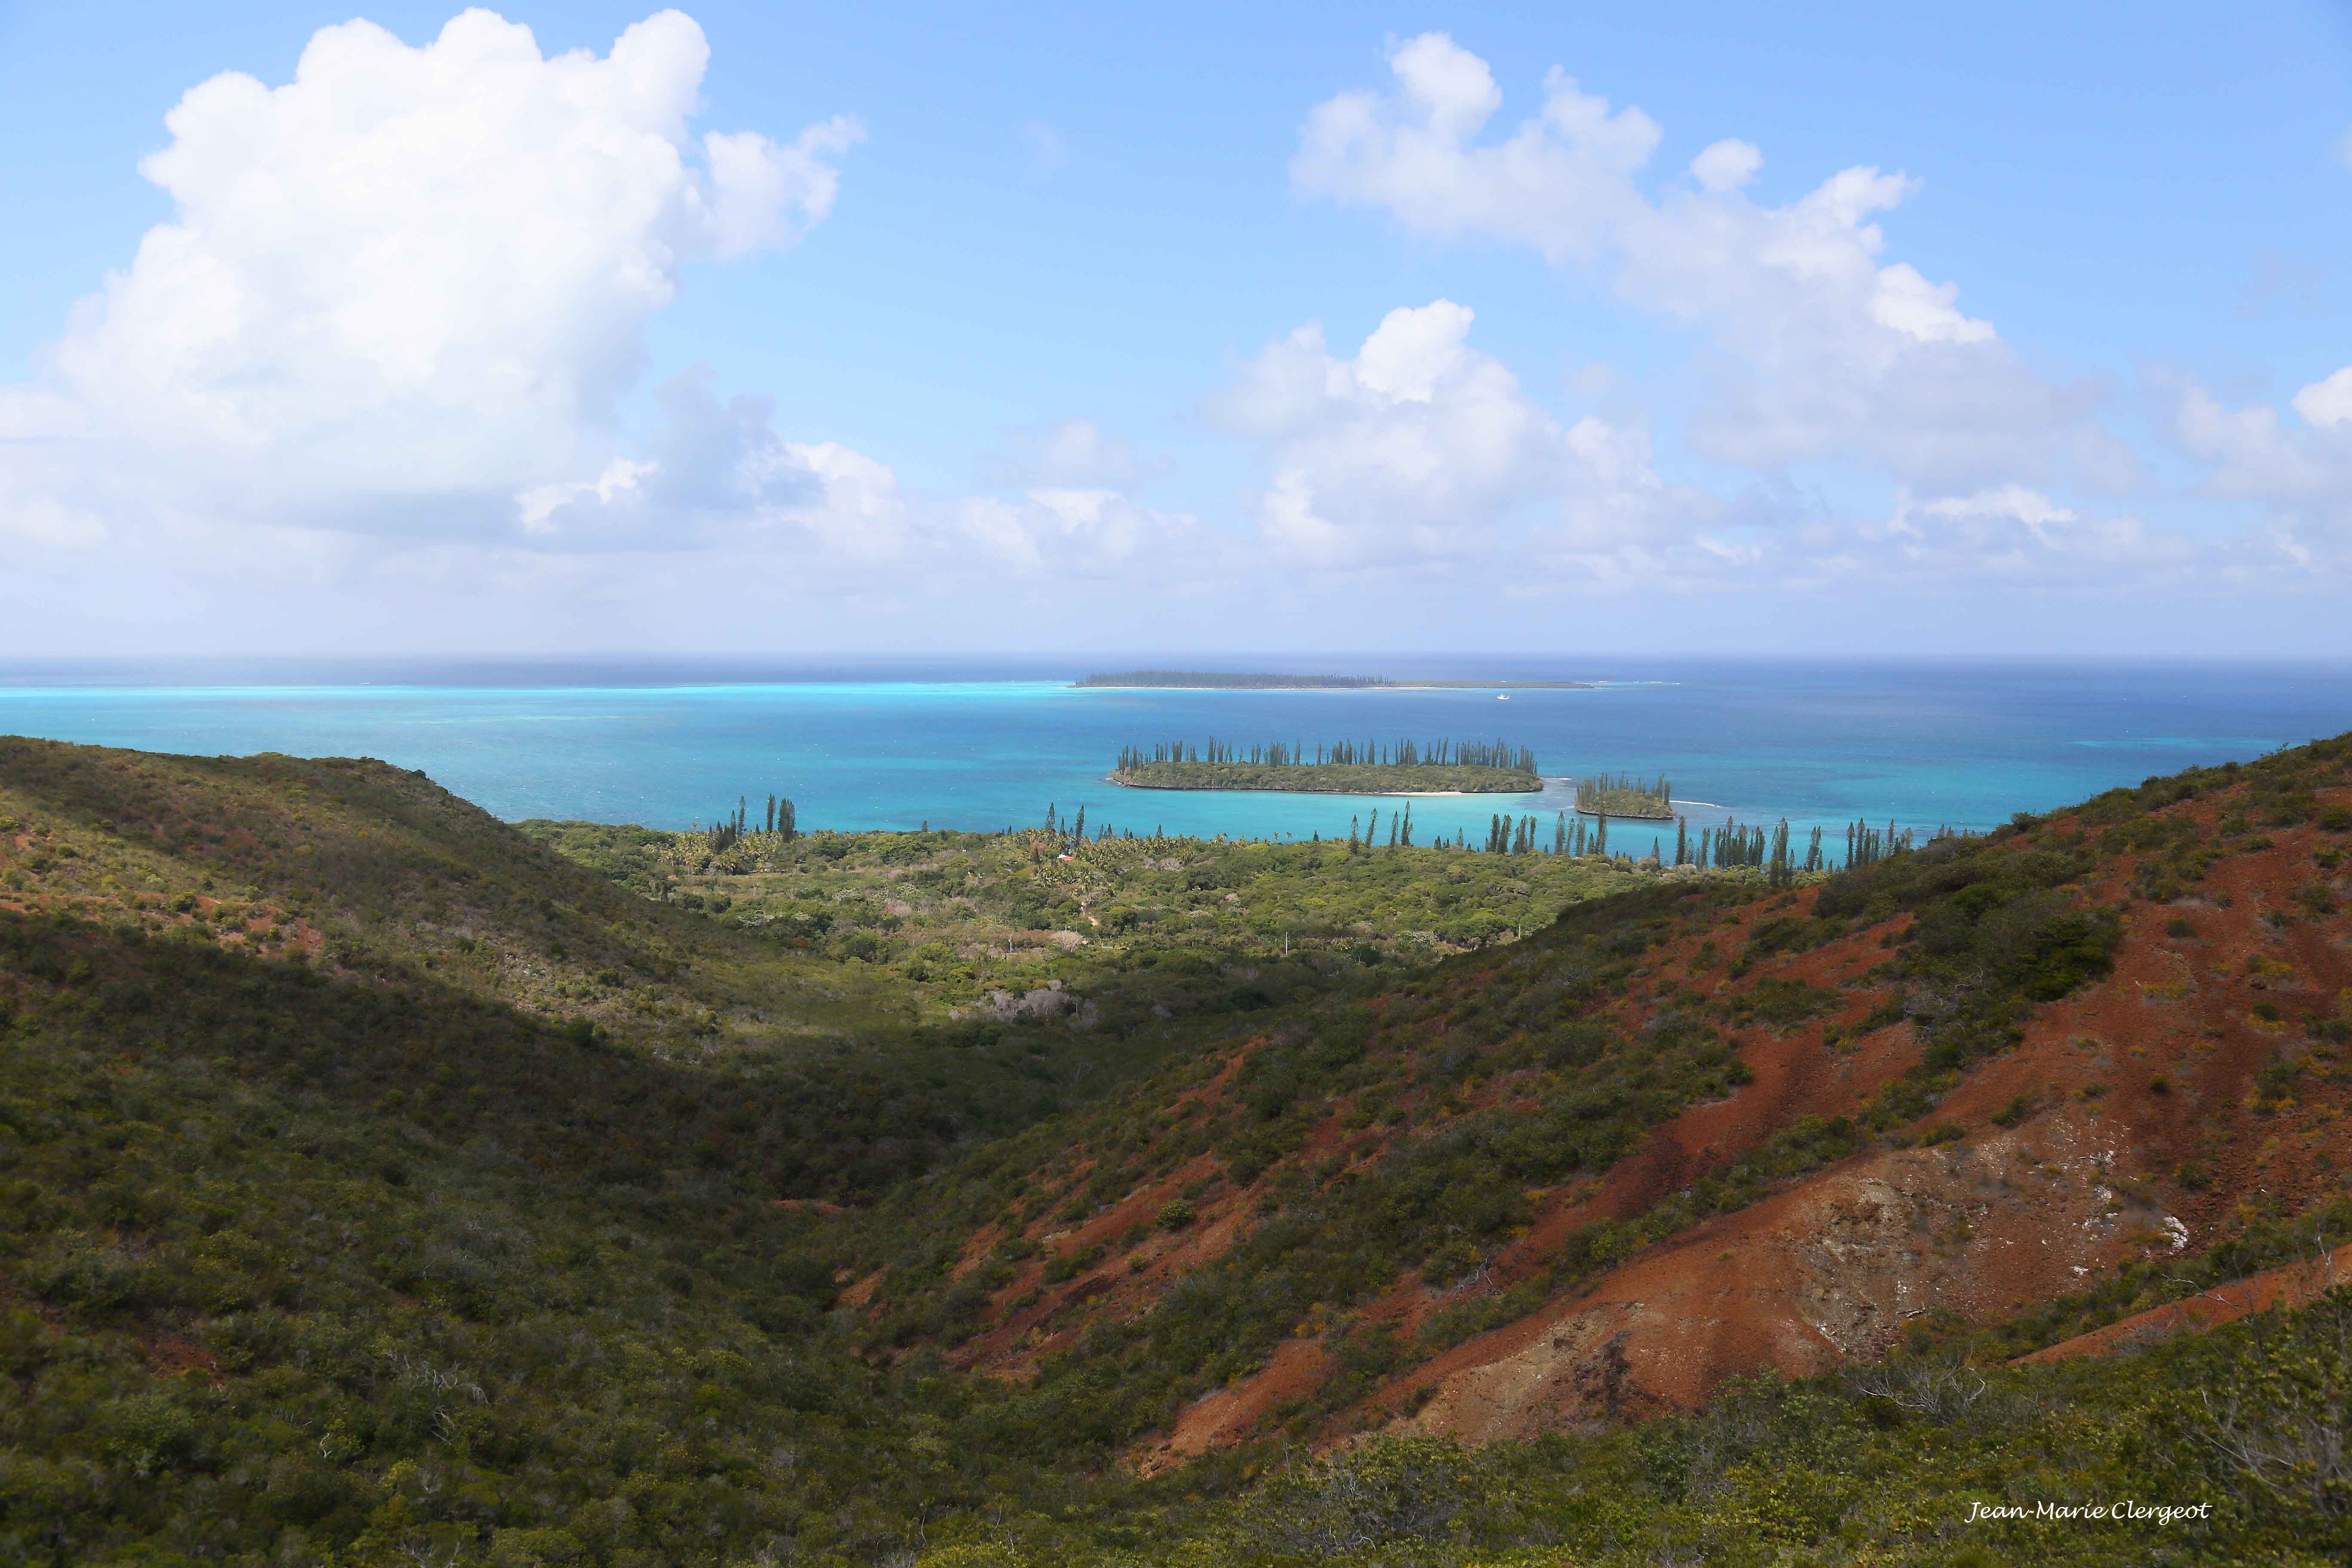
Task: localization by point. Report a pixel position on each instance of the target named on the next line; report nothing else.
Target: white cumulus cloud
(1824, 349)
(1419, 448)
(2015, 532)
(1077, 452)
(1561, 183)
(2328, 402)
(719, 475)
(1726, 165)
(416, 278)
(1421, 452)
(2301, 477)
(536, 506)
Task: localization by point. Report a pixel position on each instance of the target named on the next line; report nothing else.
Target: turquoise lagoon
(988, 745)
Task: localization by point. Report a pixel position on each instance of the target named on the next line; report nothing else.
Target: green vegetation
(1738, 845)
(1223, 680)
(1867, 846)
(782, 823)
(384, 1184)
(1403, 767)
(2237, 1432)
(1565, 1086)
(960, 916)
(1377, 1203)
(375, 877)
(1622, 794)
(301, 1266)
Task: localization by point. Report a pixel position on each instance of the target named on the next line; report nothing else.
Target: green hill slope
(358, 871)
(370, 1223)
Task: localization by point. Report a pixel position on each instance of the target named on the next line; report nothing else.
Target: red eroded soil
(1795, 1075)
(2293, 1284)
(2151, 1068)
(172, 1356)
(1828, 1270)
(1024, 1315)
(2072, 1157)
(1119, 1283)
(1210, 1421)
(2120, 1086)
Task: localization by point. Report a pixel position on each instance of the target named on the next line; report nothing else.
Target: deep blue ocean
(990, 744)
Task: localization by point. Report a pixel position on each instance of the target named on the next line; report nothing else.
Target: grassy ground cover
(959, 915)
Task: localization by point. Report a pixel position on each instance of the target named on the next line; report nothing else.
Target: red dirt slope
(2155, 1068)
(2194, 1089)
(2293, 1284)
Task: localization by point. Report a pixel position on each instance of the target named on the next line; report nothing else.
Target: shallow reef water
(989, 744)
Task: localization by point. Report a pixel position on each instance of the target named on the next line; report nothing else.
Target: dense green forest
(1349, 767)
(1225, 681)
(1622, 794)
(382, 1185)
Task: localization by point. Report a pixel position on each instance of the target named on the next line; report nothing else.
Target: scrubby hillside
(1991, 1087)
(369, 874)
(963, 916)
(378, 1185)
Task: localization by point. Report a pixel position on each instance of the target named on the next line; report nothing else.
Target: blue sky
(1007, 351)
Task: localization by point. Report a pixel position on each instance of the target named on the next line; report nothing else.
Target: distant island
(1348, 767)
(1624, 796)
(1222, 680)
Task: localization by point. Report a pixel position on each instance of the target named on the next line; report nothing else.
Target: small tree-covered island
(1232, 680)
(1346, 767)
(1625, 795)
